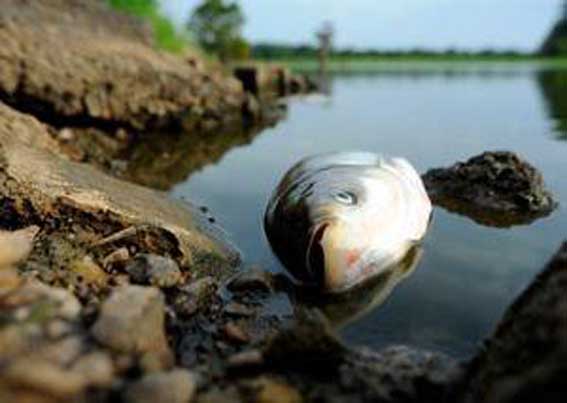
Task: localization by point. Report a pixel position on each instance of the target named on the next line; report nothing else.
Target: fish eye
(345, 197)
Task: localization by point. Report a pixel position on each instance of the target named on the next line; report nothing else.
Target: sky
(395, 24)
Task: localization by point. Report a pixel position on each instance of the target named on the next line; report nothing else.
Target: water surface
(433, 117)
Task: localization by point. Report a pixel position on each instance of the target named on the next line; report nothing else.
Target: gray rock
(131, 320)
(495, 188)
(525, 360)
(195, 295)
(176, 386)
(154, 270)
(401, 373)
(58, 189)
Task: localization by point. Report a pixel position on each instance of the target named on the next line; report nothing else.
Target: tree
(217, 26)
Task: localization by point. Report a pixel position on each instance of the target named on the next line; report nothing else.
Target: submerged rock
(525, 360)
(495, 188)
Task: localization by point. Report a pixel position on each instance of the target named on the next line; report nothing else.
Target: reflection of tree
(553, 85)
(162, 164)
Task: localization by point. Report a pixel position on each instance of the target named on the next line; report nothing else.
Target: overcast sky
(389, 24)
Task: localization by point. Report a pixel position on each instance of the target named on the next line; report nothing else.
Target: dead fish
(336, 220)
(15, 246)
(349, 306)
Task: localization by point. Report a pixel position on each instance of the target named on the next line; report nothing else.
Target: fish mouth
(315, 258)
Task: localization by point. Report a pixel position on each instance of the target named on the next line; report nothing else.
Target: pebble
(176, 386)
(41, 375)
(131, 320)
(118, 256)
(253, 279)
(154, 270)
(15, 246)
(97, 368)
(90, 272)
(246, 358)
(237, 309)
(235, 333)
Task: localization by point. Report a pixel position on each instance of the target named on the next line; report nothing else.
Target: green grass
(436, 62)
(166, 36)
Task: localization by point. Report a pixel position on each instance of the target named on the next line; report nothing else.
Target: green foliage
(217, 26)
(166, 37)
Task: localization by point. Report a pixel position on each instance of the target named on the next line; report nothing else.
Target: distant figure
(325, 37)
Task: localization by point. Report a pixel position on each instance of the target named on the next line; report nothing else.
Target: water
(434, 117)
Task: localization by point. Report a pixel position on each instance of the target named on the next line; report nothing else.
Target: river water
(434, 116)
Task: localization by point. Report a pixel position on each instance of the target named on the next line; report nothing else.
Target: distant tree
(555, 43)
(217, 26)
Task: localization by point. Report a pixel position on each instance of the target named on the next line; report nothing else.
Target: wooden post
(325, 37)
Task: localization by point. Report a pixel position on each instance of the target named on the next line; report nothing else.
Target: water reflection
(342, 309)
(162, 164)
(553, 86)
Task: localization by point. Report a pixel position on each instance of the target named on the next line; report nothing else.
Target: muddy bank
(497, 189)
(75, 63)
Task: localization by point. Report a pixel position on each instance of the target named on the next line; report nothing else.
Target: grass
(166, 36)
(378, 63)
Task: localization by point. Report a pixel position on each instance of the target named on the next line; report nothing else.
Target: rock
(97, 369)
(30, 314)
(235, 333)
(253, 279)
(16, 246)
(120, 255)
(89, 271)
(237, 309)
(308, 342)
(78, 61)
(9, 280)
(253, 78)
(401, 373)
(43, 377)
(37, 184)
(176, 386)
(131, 320)
(495, 188)
(195, 295)
(269, 390)
(525, 360)
(154, 270)
(249, 358)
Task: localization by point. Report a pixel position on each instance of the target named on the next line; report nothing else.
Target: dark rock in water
(495, 188)
(309, 342)
(525, 360)
(401, 374)
(154, 270)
